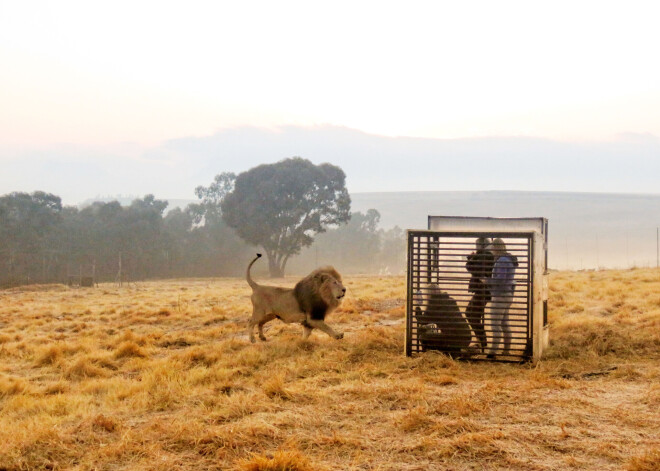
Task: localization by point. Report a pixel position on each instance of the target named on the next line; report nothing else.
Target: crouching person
(442, 326)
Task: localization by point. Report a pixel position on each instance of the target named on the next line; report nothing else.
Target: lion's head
(330, 288)
(320, 291)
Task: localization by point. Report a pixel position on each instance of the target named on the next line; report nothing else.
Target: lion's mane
(314, 292)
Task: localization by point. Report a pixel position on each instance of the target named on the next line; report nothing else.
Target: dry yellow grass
(160, 376)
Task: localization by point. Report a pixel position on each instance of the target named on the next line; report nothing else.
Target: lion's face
(338, 290)
(332, 290)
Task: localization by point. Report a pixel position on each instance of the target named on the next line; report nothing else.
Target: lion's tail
(249, 279)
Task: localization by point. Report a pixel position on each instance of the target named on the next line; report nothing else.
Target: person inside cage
(501, 285)
(480, 266)
(441, 324)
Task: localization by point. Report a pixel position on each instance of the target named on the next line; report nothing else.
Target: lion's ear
(322, 277)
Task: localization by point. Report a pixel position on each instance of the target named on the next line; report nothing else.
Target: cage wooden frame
(439, 286)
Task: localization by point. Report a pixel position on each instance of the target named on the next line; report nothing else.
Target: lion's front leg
(307, 331)
(318, 324)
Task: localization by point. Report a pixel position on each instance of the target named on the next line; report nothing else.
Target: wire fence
(604, 249)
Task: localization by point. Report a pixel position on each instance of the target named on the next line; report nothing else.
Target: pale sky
(128, 76)
(106, 72)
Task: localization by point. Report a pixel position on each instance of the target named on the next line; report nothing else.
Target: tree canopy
(287, 205)
(282, 206)
(211, 196)
(27, 226)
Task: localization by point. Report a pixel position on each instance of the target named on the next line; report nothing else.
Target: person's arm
(470, 263)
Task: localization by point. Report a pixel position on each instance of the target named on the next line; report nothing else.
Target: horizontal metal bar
(500, 234)
(432, 244)
(464, 300)
(449, 337)
(425, 262)
(517, 310)
(422, 299)
(462, 275)
(463, 289)
(518, 325)
(462, 261)
(458, 256)
(463, 280)
(443, 346)
(489, 320)
(433, 267)
(454, 333)
(430, 344)
(469, 241)
(450, 272)
(517, 315)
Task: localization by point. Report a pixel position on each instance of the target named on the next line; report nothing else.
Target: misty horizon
(372, 163)
(586, 230)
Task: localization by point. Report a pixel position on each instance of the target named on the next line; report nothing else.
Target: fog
(173, 169)
(586, 230)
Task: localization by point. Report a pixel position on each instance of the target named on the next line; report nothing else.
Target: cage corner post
(540, 332)
(407, 350)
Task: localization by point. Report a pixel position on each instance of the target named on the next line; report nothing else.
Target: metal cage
(452, 306)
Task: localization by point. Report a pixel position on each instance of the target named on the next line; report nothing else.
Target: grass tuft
(49, 356)
(274, 388)
(649, 461)
(84, 368)
(104, 423)
(129, 349)
(13, 386)
(291, 460)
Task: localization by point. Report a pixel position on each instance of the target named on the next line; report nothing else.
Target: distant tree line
(278, 208)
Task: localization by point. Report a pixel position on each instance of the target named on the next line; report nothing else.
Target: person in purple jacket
(502, 286)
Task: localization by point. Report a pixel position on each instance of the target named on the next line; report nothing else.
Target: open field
(161, 376)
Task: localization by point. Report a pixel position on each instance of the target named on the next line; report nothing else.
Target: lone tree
(282, 206)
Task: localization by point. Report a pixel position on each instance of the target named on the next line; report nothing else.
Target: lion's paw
(339, 336)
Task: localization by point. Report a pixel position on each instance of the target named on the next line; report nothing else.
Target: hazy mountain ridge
(629, 163)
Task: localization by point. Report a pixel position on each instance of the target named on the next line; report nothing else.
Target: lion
(307, 303)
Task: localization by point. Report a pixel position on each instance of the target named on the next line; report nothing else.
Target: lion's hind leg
(250, 330)
(261, 323)
(257, 316)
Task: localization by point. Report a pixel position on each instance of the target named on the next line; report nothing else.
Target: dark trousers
(475, 316)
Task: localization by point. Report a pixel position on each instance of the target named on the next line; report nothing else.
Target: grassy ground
(160, 376)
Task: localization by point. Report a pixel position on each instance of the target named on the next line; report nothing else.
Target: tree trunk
(274, 269)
